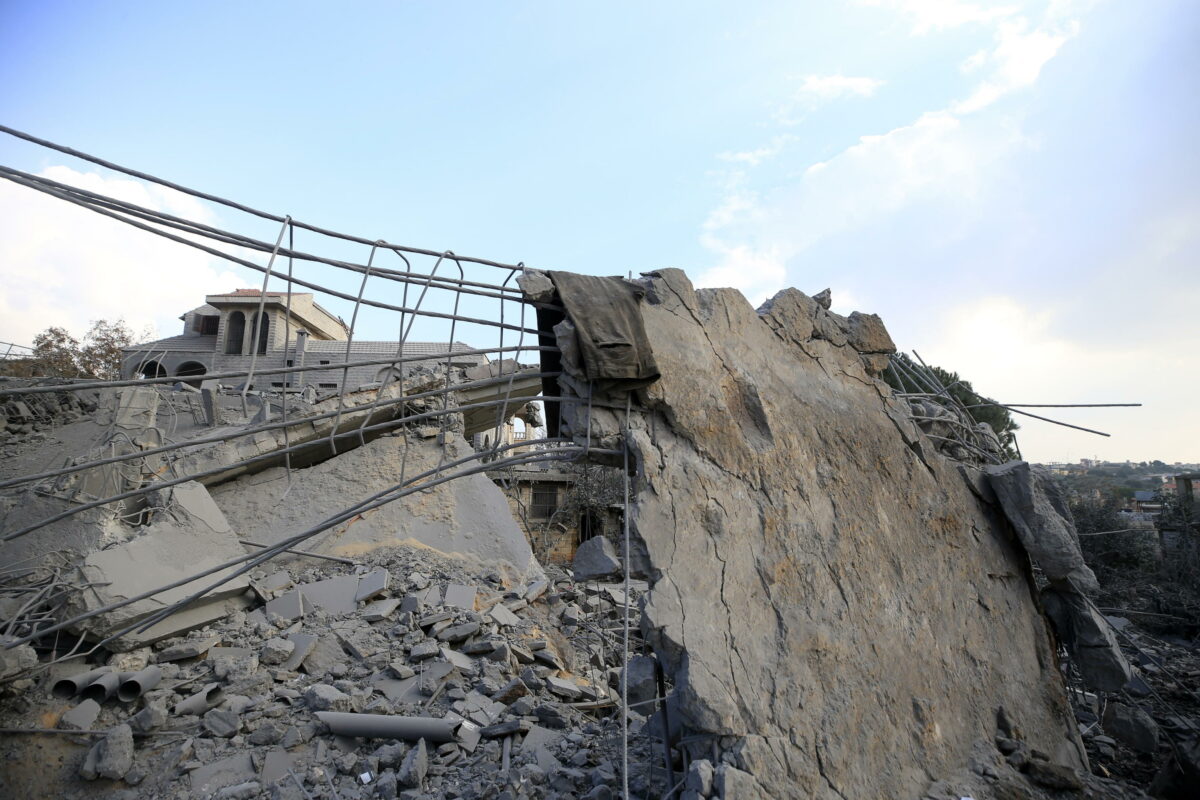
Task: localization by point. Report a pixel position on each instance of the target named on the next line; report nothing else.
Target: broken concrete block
(596, 558)
(416, 764)
(325, 656)
(535, 590)
(700, 777)
(503, 616)
(424, 650)
(323, 697)
(276, 650)
(221, 723)
(111, 757)
(373, 584)
(191, 535)
(16, 659)
(81, 717)
(564, 688)
(189, 649)
(1131, 726)
(1089, 639)
(380, 609)
(1037, 511)
(302, 645)
(210, 777)
(643, 683)
(288, 606)
(460, 596)
(461, 662)
(459, 633)
(334, 595)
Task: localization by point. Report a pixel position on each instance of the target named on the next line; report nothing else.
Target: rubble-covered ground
(524, 683)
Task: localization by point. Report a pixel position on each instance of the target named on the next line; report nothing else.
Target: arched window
(235, 331)
(152, 369)
(264, 328)
(192, 370)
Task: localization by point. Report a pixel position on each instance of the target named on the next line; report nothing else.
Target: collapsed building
(819, 587)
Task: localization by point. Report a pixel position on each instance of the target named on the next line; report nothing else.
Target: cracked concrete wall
(838, 607)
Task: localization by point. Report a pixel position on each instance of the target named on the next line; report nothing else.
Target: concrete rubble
(824, 594)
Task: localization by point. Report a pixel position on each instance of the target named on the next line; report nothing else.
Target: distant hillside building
(222, 335)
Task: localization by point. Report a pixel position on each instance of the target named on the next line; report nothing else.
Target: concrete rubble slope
(833, 602)
(467, 516)
(189, 535)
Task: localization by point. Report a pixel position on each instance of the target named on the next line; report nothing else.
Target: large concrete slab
(827, 590)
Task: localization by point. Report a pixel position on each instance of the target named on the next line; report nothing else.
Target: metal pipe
(104, 686)
(69, 687)
(212, 694)
(387, 726)
(134, 684)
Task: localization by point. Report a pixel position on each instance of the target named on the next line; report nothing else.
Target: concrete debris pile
(409, 675)
(35, 413)
(841, 613)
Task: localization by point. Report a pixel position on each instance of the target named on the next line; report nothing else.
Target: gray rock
(563, 688)
(1053, 776)
(1038, 512)
(111, 757)
(416, 764)
(596, 558)
(81, 717)
(700, 777)
(221, 723)
(1132, 727)
(643, 683)
(1089, 639)
(276, 650)
(323, 697)
(812, 555)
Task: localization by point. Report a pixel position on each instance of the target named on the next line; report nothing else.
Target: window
(207, 324)
(264, 329)
(235, 331)
(324, 362)
(544, 500)
(326, 385)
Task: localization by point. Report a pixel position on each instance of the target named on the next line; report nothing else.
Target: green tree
(59, 354)
(981, 409)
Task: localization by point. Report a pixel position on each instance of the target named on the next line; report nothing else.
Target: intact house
(227, 333)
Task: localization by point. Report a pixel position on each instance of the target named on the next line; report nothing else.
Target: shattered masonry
(836, 594)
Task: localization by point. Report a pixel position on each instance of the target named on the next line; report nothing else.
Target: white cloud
(1017, 59)
(757, 156)
(67, 266)
(930, 16)
(831, 87)
(951, 156)
(1018, 355)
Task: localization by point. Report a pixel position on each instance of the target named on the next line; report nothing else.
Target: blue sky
(1013, 187)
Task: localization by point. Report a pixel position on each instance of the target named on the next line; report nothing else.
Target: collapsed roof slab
(468, 516)
(842, 615)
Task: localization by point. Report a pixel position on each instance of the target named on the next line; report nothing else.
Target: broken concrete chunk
(221, 723)
(323, 697)
(503, 616)
(81, 717)
(277, 650)
(424, 650)
(1131, 726)
(380, 609)
(416, 764)
(700, 777)
(111, 757)
(1090, 641)
(535, 590)
(326, 656)
(373, 584)
(302, 645)
(563, 688)
(210, 777)
(643, 682)
(188, 649)
(1035, 507)
(596, 558)
(276, 765)
(288, 606)
(190, 536)
(459, 633)
(460, 596)
(334, 595)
